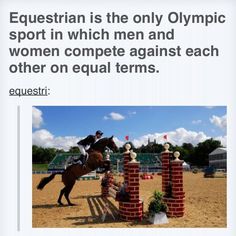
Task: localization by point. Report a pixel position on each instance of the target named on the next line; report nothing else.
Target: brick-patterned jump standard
(172, 185)
(132, 210)
(105, 190)
(172, 182)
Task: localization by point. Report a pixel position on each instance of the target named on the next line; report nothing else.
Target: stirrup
(86, 157)
(75, 161)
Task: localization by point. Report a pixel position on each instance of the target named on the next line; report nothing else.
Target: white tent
(218, 151)
(218, 158)
(186, 166)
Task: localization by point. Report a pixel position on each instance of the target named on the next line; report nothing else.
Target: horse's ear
(111, 137)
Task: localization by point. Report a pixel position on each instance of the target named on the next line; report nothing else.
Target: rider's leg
(82, 149)
(67, 162)
(83, 153)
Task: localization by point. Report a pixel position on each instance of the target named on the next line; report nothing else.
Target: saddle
(81, 160)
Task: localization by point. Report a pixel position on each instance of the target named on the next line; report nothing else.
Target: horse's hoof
(60, 204)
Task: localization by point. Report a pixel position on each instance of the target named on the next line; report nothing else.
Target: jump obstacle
(172, 185)
(132, 209)
(172, 182)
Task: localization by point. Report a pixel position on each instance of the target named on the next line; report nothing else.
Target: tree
(193, 155)
(188, 151)
(42, 155)
(74, 150)
(188, 147)
(202, 150)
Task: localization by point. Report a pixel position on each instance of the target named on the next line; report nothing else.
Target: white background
(181, 81)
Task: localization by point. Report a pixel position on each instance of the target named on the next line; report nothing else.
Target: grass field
(40, 167)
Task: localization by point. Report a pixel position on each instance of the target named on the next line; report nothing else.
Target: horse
(70, 175)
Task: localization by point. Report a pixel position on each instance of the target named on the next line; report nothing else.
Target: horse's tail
(46, 180)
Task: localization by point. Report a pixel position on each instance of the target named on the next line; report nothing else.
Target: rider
(83, 145)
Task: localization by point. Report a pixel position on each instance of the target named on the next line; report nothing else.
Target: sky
(63, 126)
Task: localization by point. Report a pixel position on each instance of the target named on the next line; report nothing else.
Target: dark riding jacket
(89, 140)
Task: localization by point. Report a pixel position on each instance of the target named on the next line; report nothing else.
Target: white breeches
(82, 149)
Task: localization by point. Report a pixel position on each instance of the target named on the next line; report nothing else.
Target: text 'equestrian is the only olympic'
(113, 17)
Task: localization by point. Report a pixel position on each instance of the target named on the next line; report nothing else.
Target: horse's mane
(99, 142)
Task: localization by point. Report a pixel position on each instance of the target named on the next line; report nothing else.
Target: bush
(157, 203)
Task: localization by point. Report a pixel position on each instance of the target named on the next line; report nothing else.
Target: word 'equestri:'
(152, 17)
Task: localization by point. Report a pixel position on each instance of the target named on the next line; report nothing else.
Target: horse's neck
(100, 147)
(92, 149)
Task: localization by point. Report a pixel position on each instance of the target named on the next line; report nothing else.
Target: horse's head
(111, 144)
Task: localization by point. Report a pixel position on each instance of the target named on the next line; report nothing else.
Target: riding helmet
(99, 132)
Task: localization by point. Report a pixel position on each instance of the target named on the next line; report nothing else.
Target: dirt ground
(205, 204)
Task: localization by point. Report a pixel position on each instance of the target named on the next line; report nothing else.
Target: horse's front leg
(60, 196)
(68, 189)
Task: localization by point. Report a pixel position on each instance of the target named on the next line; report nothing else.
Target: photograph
(129, 166)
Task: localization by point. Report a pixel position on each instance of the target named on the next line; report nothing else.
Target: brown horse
(70, 175)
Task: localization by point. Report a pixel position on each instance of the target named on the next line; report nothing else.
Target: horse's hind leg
(68, 189)
(60, 196)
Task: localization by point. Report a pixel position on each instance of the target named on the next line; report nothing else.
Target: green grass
(40, 167)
